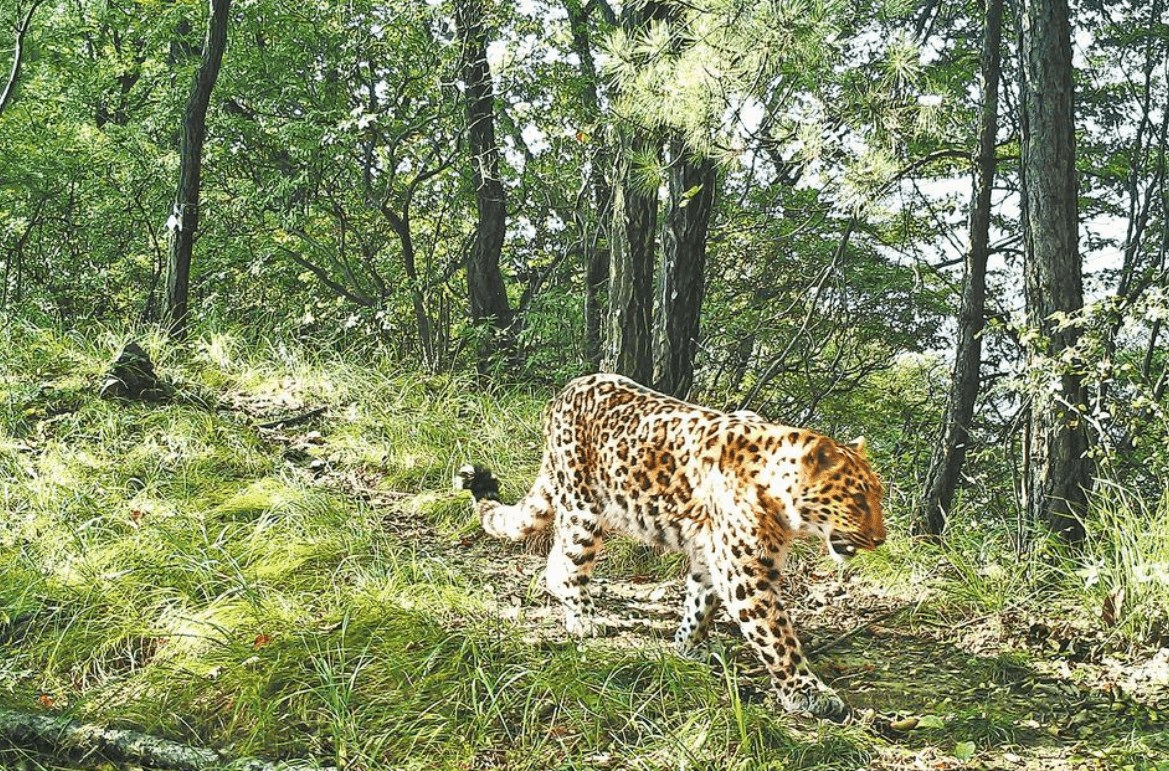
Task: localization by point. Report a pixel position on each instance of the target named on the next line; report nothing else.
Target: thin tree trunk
(596, 256)
(17, 56)
(950, 454)
(629, 323)
(185, 218)
(1145, 186)
(401, 226)
(692, 192)
(488, 295)
(1059, 472)
(629, 349)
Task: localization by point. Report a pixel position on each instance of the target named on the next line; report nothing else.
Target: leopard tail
(529, 515)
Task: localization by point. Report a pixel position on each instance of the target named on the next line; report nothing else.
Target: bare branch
(17, 55)
(353, 295)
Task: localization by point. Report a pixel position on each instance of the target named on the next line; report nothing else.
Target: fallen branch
(60, 736)
(858, 629)
(293, 420)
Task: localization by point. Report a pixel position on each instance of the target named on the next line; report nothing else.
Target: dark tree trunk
(591, 227)
(692, 193)
(950, 454)
(1058, 473)
(401, 225)
(629, 349)
(185, 222)
(488, 296)
(596, 287)
(629, 325)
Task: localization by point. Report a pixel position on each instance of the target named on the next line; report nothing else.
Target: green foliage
(804, 322)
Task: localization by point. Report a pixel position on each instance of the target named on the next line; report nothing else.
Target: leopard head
(840, 498)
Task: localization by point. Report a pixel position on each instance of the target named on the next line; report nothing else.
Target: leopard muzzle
(845, 545)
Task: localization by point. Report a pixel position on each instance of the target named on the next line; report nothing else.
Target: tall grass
(1116, 583)
(173, 568)
(166, 567)
(1126, 563)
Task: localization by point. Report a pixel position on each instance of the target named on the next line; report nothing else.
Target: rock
(132, 376)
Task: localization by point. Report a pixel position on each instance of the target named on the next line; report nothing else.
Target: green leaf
(930, 721)
(964, 750)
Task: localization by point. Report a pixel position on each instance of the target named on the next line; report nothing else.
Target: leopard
(729, 489)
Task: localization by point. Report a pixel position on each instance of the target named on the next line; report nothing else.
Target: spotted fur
(730, 490)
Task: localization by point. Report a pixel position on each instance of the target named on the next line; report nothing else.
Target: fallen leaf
(261, 641)
(1110, 611)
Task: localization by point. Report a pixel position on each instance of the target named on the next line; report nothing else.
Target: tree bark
(692, 193)
(629, 349)
(185, 218)
(401, 225)
(950, 453)
(629, 321)
(591, 228)
(1058, 473)
(488, 296)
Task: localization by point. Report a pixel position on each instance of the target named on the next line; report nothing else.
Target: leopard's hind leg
(576, 541)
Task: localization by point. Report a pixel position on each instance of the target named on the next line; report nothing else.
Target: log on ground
(65, 738)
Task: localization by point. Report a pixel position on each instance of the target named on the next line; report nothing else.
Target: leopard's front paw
(580, 625)
(818, 699)
(695, 650)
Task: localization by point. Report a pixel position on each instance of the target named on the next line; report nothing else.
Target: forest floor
(273, 565)
(1000, 690)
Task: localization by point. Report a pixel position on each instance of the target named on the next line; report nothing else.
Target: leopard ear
(826, 454)
(858, 446)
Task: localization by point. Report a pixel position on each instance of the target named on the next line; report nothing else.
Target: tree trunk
(692, 192)
(591, 227)
(629, 323)
(950, 454)
(401, 225)
(185, 218)
(629, 349)
(1058, 471)
(488, 296)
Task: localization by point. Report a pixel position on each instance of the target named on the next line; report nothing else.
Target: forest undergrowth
(269, 562)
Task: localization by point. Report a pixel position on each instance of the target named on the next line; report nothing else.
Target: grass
(174, 569)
